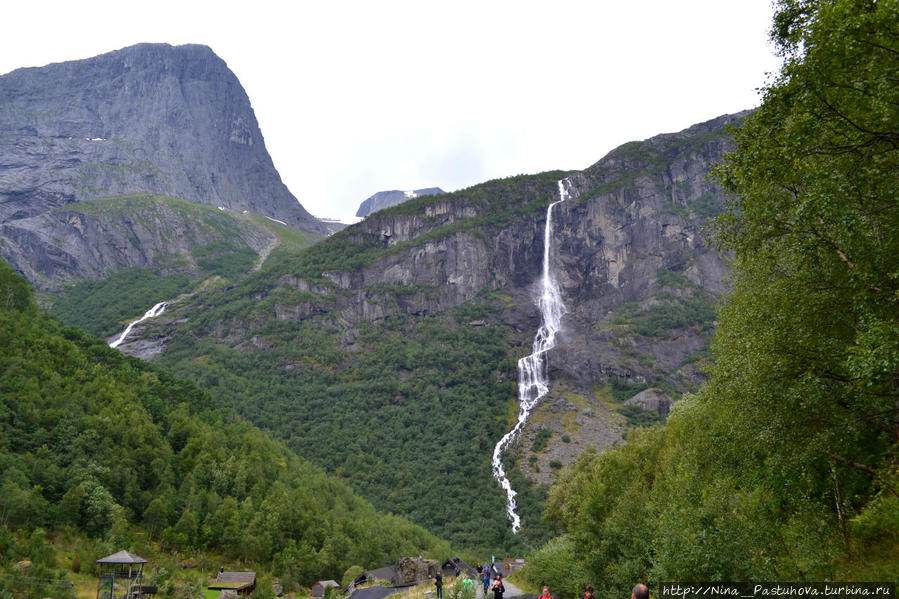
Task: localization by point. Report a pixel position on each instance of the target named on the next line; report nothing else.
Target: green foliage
(783, 466)
(557, 565)
(103, 443)
(393, 419)
(622, 389)
(45, 578)
(541, 440)
(666, 314)
(351, 574)
(222, 258)
(463, 588)
(637, 416)
(101, 307)
(15, 292)
(219, 243)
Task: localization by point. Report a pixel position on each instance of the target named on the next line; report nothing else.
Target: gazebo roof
(122, 557)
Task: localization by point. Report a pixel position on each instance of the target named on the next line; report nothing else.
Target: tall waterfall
(533, 382)
(154, 311)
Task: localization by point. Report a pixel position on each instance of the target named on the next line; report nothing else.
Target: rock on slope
(150, 119)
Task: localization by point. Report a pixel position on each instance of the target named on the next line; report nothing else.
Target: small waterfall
(154, 311)
(533, 381)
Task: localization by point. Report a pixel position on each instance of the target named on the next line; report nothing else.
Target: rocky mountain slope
(148, 120)
(386, 199)
(387, 352)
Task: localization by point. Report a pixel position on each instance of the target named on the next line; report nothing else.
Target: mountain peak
(161, 119)
(385, 199)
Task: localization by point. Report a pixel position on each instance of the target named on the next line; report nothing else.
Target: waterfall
(154, 311)
(533, 381)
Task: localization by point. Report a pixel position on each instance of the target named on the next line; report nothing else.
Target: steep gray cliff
(386, 199)
(150, 119)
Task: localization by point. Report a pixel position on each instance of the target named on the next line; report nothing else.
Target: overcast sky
(361, 96)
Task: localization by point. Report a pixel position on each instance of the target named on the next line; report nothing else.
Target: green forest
(785, 465)
(417, 445)
(121, 453)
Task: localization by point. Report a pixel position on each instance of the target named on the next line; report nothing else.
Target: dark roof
(236, 577)
(122, 557)
(459, 563)
(385, 573)
(374, 593)
(233, 580)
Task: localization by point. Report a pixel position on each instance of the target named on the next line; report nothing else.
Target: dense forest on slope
(416, 444)
(785, 466)
(111, 447)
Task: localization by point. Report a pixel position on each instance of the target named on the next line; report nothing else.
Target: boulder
(652, 400)
(23, 566)
(410, 570)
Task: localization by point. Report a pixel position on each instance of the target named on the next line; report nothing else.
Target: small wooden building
(319, 588)
(242, 583)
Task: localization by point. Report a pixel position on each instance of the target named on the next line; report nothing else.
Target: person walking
(498, 588)
(546, 594)
(589, 592)
(485, 578)
(640, 591)
(438, 582)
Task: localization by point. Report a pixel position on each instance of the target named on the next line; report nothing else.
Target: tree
(807, 349)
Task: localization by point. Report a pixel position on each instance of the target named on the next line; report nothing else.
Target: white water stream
(154, 311)
(533, 381)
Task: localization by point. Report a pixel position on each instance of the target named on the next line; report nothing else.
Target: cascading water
(154, 311)
(533, 381)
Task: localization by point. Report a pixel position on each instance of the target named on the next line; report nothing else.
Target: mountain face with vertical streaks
(147, 121)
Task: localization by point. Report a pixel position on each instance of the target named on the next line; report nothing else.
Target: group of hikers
(485, 572)
(488, 572)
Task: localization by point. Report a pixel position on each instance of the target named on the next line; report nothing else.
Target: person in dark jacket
(498, 588)
(438, 582)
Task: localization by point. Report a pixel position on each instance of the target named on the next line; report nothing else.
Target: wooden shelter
(242, 583)
(121, 576)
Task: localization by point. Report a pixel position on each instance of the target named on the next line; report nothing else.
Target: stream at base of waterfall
(533, 378)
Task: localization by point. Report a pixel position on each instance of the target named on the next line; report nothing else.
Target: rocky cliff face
(386, 199)
(151, 119)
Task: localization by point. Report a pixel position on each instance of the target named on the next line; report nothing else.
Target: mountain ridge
(149, 119)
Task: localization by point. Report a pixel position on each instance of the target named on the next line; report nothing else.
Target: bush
(541, 439)
(350, 575)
